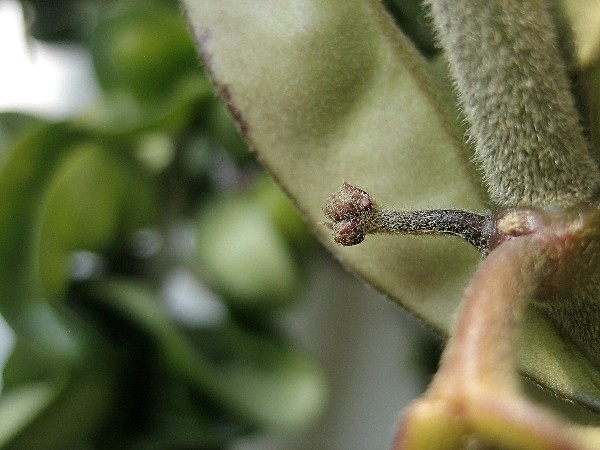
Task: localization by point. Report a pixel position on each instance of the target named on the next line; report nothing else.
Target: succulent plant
(332, 92)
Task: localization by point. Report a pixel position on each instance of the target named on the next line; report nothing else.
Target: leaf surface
(332, 91)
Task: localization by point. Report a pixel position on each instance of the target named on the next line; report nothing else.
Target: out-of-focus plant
(110, 218)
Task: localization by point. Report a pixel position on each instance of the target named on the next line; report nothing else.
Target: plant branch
(354, 214)
(515, 94)
(476, 395)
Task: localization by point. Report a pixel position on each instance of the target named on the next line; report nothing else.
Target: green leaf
(348, 101)
(23, 178)
(19, 406)
(79, 210)
(59, 382)
(243, 256)
(256, 379)
(283, 214)
(331, 91)
(285, 388)
(13, 125)
(120, 114)
(142, 48)
(95, 199)
(60, 193)
(65, 413)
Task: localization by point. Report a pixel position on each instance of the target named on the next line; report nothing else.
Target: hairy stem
(515, 94)
(474, 228)
(354, 214)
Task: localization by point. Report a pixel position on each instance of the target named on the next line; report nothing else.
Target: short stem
(474, 228)
(354, 214)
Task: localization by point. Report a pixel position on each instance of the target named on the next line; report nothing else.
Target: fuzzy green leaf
(332, 91)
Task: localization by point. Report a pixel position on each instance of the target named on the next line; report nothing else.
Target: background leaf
(251, 377)
(152, 186)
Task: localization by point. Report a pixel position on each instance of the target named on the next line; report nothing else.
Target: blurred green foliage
(102, 215)
(110, 216)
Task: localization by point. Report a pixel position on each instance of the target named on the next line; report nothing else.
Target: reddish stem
(475, 394)
(482, 347)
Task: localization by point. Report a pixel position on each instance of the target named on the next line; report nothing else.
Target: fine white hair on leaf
(515, 94)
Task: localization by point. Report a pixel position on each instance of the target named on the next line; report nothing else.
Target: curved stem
(475, 397)
(482, 347)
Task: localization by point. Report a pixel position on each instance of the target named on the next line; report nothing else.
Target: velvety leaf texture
(327, 92)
